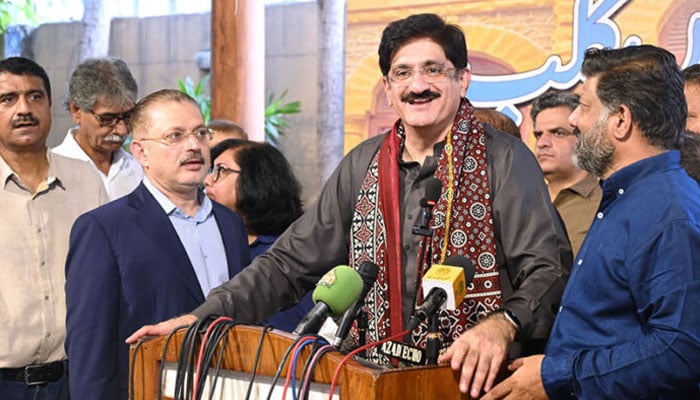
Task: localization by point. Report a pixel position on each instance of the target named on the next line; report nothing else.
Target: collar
(620, 181)
(263, 239)
(641, 169)
(6, 174)
(71, 148)
(585, 186)
(205, 205)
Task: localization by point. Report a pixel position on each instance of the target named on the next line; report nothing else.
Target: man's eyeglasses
(176, 138)
(110, 119)
(218, 168)
(431, 73)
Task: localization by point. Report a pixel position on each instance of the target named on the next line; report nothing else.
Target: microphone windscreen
(433, 187)
(466, 264)
(453, 276)
(338, 289)
(368, 272)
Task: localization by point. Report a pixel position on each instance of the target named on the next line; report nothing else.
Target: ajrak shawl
(462, 225)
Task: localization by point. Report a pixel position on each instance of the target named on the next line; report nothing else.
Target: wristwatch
(510, 316)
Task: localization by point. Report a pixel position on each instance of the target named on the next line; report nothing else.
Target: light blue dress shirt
(200, 236)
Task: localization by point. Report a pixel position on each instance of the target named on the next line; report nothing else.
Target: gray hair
(107, 80)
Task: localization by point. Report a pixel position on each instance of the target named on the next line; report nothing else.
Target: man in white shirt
(102, 94)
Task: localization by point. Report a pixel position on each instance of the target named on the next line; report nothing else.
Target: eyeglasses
(431, 73)
(216, 170)
(177, 138)
(111, 119)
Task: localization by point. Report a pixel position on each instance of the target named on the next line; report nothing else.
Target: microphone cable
(266, 329)
(161, 369)
(217, 339)
(306, 375)
(216, 333)
(336, 373)
(132, 365)
(280, 367)
(315, 347)
(291, 370)
(185, 364)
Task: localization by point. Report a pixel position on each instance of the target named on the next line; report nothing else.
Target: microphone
(433, 187)
(435, 298)
(335, 292)
(445, 285)
(368, 272)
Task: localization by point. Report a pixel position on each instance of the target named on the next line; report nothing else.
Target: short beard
(593, 152)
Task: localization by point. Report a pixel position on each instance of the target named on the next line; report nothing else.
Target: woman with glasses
(255, 180)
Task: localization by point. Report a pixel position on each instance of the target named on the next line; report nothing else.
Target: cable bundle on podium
(196, 355)
(197, 352)
(320, 347)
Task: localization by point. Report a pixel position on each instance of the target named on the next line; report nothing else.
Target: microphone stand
(434, 341)
(423, 229)
(362, 325)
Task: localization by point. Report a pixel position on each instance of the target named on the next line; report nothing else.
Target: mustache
(424, 95)
(577, 132)
(24, 119)
(196, 157)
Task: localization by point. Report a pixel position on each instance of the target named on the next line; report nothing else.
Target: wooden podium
(355, 381)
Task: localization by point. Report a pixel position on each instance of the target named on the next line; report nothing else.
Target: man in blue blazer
(151, 255)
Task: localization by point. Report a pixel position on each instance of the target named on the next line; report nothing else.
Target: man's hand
(479, 352)
(162, 328)
(525, 383)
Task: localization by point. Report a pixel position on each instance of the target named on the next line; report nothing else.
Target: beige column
(238, 64)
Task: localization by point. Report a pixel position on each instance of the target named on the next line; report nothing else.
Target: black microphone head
(435, 298)
(466, 264)
(433, 187)
(369, 272)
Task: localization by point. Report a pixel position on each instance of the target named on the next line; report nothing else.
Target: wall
(160, 50)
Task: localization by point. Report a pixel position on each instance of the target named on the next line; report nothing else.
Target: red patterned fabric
(375, 232)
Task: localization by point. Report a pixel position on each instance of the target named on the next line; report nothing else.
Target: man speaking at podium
(493, 209)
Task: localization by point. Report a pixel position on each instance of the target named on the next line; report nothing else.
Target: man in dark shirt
(494, 209)
(628, 326)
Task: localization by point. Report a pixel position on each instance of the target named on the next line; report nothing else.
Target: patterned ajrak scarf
(462, 225)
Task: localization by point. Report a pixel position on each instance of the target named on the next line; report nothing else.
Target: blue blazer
(126, 268)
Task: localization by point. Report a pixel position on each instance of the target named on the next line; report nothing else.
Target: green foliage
(198, 94)
(275, 112)
(11, 11)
